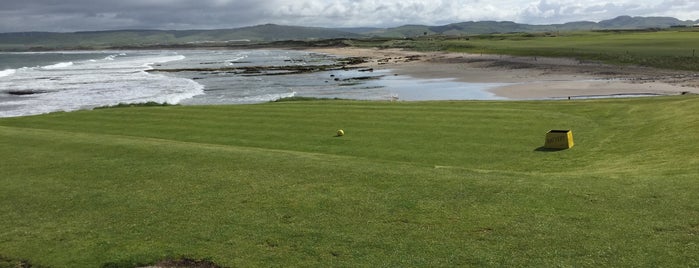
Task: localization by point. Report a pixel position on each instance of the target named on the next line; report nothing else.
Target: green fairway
(410, 184)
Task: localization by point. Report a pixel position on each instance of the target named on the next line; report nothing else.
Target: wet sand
(529, 77)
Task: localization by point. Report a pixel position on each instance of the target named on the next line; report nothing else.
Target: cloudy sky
(86, 15)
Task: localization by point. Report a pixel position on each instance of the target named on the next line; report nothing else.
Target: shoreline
(528, 77)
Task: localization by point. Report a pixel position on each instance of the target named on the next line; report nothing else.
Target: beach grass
(411, 184)
(668, 49)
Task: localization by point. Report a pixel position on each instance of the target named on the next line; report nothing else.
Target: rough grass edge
(169, 262)
(14, 263)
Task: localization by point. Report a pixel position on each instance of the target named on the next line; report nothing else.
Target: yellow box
(559, 139)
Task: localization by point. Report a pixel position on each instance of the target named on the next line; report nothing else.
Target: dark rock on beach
(341, 64)
(26, 92)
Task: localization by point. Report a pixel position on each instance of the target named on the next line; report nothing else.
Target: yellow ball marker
(340, 132)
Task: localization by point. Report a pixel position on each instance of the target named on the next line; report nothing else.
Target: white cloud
(559, 11)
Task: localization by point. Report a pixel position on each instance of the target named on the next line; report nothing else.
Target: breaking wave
(7, 72)
(69, 86)
(266, 97)
(58, 65)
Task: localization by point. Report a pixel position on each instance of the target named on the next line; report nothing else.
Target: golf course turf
(410, 184)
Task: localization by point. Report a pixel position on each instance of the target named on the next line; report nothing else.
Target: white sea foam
(58, 65)
(7, 72)
(162, 59)
(266, 97)
(93, 83)
(232, 62)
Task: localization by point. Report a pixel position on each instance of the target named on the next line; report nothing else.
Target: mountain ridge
(274, 32)
(489, 27)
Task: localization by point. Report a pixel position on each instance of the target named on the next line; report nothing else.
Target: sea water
(69, 81)
(36, 83)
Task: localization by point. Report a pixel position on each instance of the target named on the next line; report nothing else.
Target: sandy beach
(529, 77)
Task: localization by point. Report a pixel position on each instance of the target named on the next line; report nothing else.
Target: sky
(91, 15)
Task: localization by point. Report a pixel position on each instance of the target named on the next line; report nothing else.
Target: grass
(410, 184)
(669, 49)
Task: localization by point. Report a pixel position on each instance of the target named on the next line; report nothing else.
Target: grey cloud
(80, 15)
(558, 11)
(552, 11)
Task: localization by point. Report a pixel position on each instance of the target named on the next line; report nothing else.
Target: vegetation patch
(409, 184)
(186, 262)
(179, 262)
(14, 263)
(668, 49)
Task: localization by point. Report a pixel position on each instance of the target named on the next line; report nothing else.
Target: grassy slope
(411, 184)
(664, 49)
(668, 49)
(662, 43)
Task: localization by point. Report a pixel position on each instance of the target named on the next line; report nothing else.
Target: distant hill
(136, 38)
(272, 32)
(489, 27)
(627, 22)
(359, 30)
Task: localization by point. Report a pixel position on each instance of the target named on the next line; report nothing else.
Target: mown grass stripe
(410, 184)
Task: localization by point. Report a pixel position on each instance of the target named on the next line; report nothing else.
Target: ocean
(43, 82)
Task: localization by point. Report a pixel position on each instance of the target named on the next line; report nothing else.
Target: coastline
(528, 77)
